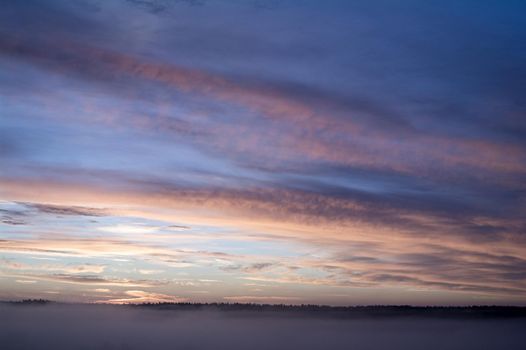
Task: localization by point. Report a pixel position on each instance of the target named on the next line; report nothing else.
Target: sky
(331, 152)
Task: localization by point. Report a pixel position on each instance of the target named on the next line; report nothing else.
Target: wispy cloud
(95, 280)
(139, 296)
(65, 210)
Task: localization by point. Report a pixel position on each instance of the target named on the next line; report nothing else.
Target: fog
(57, 326)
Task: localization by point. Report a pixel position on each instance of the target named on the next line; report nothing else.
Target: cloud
(112, 249)
(305, 208)
(178, 228)
(96, 280)
(407, 265)
(149, 272)
(66, 268)
(139, 297)
(374, 145)
(260, 266)
(130, 229)
(8, 221)
(13, 217)
(153, 6)
(26, 281)
(65, 210)
(158, 7)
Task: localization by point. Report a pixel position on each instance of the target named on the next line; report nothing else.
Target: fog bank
(56, 326)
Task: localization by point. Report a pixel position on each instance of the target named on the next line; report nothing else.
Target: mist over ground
(63, 326)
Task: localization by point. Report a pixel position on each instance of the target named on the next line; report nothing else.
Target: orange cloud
(139, 296)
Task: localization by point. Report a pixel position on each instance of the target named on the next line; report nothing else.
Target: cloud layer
(334, 153)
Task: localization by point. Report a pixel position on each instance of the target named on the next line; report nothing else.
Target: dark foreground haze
(61, 326)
